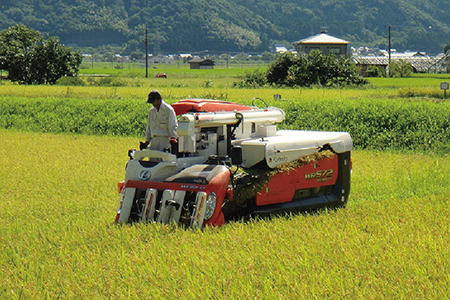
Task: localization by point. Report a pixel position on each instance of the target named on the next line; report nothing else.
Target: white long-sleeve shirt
(162, 122)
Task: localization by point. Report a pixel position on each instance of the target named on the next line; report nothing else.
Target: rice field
(58, 238)
(172, 90)
(59, 198)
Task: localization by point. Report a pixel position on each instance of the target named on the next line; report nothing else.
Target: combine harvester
(232, 163)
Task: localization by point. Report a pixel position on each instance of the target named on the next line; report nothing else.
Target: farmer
(162, 124)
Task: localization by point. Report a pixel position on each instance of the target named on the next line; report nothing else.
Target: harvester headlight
(210, 205)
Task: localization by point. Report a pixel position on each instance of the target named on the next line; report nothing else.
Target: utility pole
(389, 51)
(146, 53)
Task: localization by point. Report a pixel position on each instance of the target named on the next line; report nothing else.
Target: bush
(70, 81)
(376, 71)
(252, 79)
(421, 92)
(107, 81)
(400, 68)
(208, 83)
(278, 70)
(314, 69)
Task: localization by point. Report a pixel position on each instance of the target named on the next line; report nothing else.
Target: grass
(184, 76)
(58, 196)
(419, 80)
(218, 83)
(58, 239)
(179, 74)
(194, 88)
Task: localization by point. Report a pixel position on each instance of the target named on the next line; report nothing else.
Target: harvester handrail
(164, 156)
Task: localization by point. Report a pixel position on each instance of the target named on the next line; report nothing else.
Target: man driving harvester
(161, 131)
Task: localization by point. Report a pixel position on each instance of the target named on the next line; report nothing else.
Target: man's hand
(143, 145)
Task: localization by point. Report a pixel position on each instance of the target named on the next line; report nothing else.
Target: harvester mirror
(239, 116)
(236, 155)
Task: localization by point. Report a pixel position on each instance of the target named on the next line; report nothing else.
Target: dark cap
(154, 95)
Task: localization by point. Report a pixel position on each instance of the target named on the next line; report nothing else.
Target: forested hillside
(233, 25)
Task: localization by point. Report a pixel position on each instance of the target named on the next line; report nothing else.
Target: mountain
(233, 25)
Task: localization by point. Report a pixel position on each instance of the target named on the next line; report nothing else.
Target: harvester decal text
(280, 159)
(196, 187)
(323, 175)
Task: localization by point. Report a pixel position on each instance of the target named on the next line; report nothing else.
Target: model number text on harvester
(323, 175)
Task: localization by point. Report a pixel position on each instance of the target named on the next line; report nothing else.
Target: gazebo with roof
(326, 43)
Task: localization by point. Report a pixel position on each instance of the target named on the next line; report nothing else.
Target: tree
(313, 69)
(267, 57)
(109, 56)
(376, 71)
(447, 48)
(16, 48)
(225, 56)
(53, 61)
(278, 70)
(241, 56)
(400, 68)
(137, 55)
(31, 59)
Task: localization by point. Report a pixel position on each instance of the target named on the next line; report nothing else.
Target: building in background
(327, 44)
(420, 63)
(198, 63)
